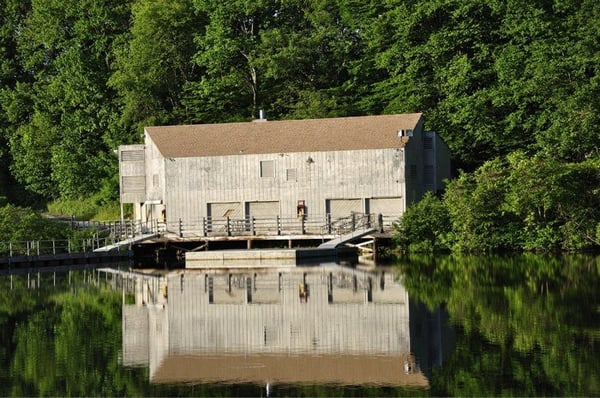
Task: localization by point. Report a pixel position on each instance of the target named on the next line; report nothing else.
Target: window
(428, 176)
(291, 175)
(428, 143)
(133, 184)
(132, 156)
(267, 169)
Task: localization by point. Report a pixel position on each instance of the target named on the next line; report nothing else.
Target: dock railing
(318, 224)
(276, 225)
(132, 228)
(106, 233)
(119, 229)
(54, 246)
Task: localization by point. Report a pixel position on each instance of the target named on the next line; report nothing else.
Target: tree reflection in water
(527, 325)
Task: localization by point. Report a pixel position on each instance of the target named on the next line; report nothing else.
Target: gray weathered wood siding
(193, 183)
(413, 168)
(155, 172)
(442, 162)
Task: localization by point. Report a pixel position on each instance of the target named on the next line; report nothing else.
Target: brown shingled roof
(347, 133)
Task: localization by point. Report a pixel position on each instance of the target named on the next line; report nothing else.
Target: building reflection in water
(318, 325)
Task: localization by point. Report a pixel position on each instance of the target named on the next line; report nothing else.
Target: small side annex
(290, 168)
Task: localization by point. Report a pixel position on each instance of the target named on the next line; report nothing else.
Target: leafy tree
(290, 58)
(60, 116)
(492, 77)
(306, 55)
(523, 203)
(29, 150)
(155, 64)
(474, 201)
(12, 13)
(438, 58)
(546, 76)
(424, 225)
(557, 202)
(227, 54)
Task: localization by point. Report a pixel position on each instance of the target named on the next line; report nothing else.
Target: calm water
(455, 326)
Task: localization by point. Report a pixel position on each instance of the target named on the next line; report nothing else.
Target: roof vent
(261, 116)
(405, 133)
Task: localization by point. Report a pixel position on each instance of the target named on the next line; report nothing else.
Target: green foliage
(101, 207)
(227, 54)
(291, 59)
(31, 164)
(109, 212)
(61, 110)
(557, 202)
(522, 203)
(154, 65)
(82, 209)
(494, 77)
(23, 224)
(424, 226)
(474, 201)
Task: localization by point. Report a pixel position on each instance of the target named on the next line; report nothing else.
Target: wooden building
(290, 168)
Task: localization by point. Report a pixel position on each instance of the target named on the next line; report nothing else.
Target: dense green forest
(513, 87)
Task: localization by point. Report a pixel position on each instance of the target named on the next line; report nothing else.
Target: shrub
(424, 226)
(21, 224)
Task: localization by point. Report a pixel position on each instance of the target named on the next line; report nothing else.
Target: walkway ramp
(126, 242)
(332, 244)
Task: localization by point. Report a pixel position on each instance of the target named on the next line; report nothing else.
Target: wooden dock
(64, 259)
(268, 258)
